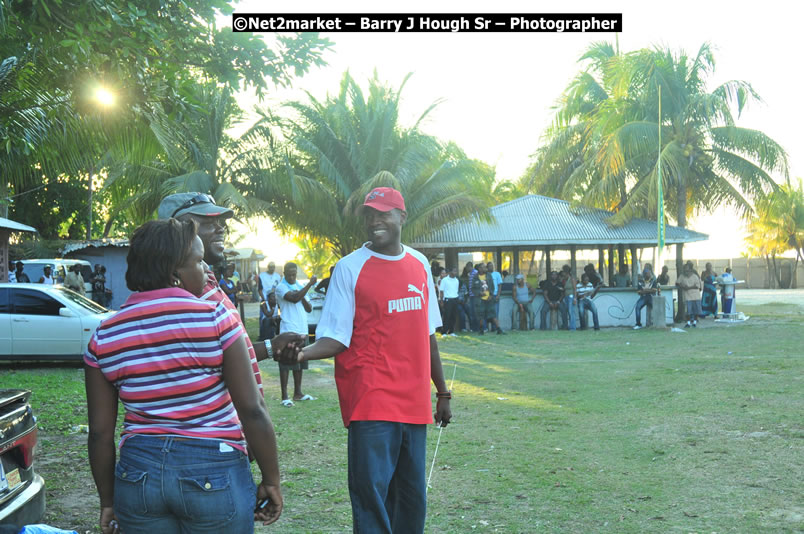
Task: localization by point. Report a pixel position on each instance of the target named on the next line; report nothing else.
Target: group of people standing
(472, 301)
(72, 279)
(179, 360)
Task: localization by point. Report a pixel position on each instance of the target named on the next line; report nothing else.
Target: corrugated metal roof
(14, 226)
(536, 220)
(95, 243)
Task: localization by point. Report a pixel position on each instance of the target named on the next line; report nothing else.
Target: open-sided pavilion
(539, 223)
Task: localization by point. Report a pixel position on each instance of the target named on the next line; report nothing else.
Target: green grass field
(615, 431)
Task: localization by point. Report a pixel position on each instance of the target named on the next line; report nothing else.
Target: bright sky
(499, 89)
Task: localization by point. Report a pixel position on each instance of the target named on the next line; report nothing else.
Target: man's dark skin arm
(443, 412)
(287, 342)
(298, 296)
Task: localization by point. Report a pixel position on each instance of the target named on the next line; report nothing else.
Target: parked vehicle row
(39, 322)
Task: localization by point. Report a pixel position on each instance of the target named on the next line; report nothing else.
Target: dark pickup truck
(22, 491)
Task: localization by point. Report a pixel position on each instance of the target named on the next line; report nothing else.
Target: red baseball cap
(385, 199)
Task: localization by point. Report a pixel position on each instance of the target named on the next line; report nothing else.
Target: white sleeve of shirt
(338, 315)
(433, 311)
(281, 289)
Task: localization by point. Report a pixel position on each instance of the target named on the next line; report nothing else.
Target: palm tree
(778, 227)
(314, 257)
(604, 150)
(190, 152)
(341, 148)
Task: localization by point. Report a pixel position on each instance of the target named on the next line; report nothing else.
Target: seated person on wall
(523, 296)
(586, 292)
(664, 278)
(647, 286)
(595, 279)
(622, 279)
(553, 296)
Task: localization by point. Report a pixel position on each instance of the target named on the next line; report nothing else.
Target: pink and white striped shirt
(163, 351)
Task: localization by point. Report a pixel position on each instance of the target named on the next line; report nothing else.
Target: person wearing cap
(523, 296)
(211, 223)
(379, 322)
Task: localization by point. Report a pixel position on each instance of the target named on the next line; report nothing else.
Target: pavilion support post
(515, 262)
(4, 238)
(451, 258)
(548, 261)
(611, 263)
(634, 266)
(601, 261)
(620, 257)
(498, 258)
(573, 261)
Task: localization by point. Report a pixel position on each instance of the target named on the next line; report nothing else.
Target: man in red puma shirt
(379, 321)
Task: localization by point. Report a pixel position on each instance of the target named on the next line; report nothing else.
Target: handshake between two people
(287, 347)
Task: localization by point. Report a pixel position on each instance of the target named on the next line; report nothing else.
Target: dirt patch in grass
(72, 502)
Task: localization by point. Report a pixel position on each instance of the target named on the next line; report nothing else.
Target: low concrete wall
(615, 307)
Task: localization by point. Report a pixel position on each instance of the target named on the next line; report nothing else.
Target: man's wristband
(444, 394)
(269, 348)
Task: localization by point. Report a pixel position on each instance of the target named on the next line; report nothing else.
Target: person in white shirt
(266, 284)
(12, 276)
(448, 294)
(294, 307)
(727, 284)
(586, 292)
(47, 277)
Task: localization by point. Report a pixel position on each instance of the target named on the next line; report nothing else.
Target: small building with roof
(7, 227)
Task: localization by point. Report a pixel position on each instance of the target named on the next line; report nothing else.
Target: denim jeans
(386, 477)
(516, 316)
(587, 304)
(644, 300)
(166, 485)
(569, 306)
(464, 315)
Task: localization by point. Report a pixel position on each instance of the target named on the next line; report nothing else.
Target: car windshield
(84, 302)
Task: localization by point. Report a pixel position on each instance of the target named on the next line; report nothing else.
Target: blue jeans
(587, 304)
(569, 306)
(165, 485)
(386, 477)
(464, 315)
(644, 300)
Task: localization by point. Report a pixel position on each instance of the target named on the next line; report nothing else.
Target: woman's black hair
(156, 250)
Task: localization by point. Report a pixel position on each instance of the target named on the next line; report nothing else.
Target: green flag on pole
(659, 191)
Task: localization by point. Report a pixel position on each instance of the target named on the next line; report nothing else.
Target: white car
(40, 322)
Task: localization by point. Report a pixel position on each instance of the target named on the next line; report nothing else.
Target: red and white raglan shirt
(163, 351)
(383, 309)
(213, 293)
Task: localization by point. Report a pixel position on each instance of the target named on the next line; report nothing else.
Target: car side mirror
(66, 312)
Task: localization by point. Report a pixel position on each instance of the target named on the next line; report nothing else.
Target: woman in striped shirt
(181, 369)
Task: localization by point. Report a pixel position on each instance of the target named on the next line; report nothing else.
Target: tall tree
(778, 227)
(603, 149)
(151, 54)
(341, 148)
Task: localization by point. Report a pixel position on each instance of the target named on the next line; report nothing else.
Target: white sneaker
(637, 327)
(453, 334)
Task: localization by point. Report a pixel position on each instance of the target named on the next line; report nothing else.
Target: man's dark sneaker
(500, 332)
